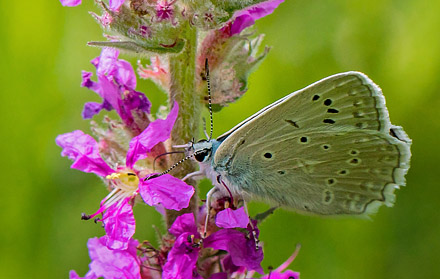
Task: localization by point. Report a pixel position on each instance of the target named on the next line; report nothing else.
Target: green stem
(182, 90)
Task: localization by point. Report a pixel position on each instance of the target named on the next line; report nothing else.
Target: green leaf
(146, 49)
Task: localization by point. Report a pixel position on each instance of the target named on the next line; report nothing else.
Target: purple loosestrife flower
(116, 84)
(164, 9)
(126, 182)
(241, 247)
(182, 259)
(111, 264)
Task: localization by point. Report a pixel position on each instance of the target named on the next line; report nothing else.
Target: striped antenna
(163, 154)
(209, 97)
(173, 166)
(170, 169)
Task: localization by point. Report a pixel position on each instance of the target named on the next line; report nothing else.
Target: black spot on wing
(329, 121)
(291, 122)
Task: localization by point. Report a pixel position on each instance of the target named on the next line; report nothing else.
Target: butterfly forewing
(327, 149)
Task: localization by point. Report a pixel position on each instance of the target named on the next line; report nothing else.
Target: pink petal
(158, 131)
(119, 225)
(125, 74)
(111, 264)
(70, 3)
(106, 62)
(229, 218)
(91, 109)
(184, 223)
(181, 260)
(247, 17)
(110, 92)
(167, 190)
(83, 149)
(241, 249)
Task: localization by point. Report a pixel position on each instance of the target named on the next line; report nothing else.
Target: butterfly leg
(208, 208)
(254, 231)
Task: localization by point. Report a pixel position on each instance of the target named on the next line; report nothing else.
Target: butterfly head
(201, 150)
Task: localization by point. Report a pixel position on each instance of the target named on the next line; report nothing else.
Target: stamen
(125, 184)
(109, 196)
(270, 271)
(88, 217)
(118, 197)
(289, 260)
(85, 216)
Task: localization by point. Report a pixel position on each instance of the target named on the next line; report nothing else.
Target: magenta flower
(240, 246)
(182, 259)
(164, 9)
(229, 218)
(116, 84)
(127, 182)
(111, 264)
(247, 17)
(114, 5)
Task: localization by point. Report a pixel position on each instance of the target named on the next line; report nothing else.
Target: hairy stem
(182, 90)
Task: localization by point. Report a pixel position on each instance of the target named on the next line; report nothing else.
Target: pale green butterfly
(328, 149)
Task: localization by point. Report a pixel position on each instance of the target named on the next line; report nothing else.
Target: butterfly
(327, 149)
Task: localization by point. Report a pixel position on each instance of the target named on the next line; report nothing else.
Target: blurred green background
(395, 42)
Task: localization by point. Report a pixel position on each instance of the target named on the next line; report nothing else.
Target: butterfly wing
(327, 149)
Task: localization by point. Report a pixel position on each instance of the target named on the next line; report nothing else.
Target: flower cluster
(125, 179)
(126, 152)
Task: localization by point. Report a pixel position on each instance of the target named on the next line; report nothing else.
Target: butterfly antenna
(163, 154)
(209, 97)
(170, 169)
(173, 166)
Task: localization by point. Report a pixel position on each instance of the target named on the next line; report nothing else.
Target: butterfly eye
(202, 155)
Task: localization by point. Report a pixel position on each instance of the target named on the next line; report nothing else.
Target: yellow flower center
(125, 183)
(124, 180)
